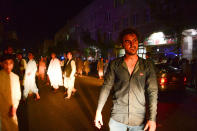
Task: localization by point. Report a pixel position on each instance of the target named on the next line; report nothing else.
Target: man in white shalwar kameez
(10, 95)
(55, 72)
(30, 78)
(69, 75)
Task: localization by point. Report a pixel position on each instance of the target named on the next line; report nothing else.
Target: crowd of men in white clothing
(17, 76)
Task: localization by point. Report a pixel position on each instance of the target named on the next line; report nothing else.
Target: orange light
(162, 86)
(163, 80)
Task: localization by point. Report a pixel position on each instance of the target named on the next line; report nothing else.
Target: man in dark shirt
(132, 78)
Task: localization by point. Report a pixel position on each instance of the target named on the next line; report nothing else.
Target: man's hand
(98, 120)
(150, 125)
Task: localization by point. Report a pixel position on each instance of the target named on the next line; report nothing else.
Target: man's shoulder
(23, 60)
(56, 59)
(118, 59)
(73, 61)
(15, 76)
(116, 62)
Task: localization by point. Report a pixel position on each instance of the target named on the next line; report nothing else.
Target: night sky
(36, 20)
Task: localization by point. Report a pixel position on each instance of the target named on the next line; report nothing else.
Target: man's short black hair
(126, 32)
(31, 52)
(7, 57)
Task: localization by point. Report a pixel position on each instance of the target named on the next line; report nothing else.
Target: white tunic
(29, 80)
(55, 73)
(10, 95)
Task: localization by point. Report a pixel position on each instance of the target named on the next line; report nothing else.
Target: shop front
(161, 47)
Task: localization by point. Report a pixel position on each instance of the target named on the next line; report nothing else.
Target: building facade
(105, 19)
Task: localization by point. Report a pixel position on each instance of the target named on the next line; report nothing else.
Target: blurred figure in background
(69, 75)
(87, 67)
(22, 66)
(10, 95)
(41, 69)
(79, 66)
(106, 65)
(30, 78)
(100, 66)
(55, 73)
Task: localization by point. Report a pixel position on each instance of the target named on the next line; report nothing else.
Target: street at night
(176, 111)
(90, 65)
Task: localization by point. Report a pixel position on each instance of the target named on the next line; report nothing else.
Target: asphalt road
(176, 111)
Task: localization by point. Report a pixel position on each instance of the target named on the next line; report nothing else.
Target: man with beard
(130, 78)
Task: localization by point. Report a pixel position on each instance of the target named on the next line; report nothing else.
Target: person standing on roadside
(69, 75)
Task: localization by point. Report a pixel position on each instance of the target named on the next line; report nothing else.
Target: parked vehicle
(170, 78)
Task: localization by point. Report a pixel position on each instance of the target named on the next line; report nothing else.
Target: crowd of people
(19, 76)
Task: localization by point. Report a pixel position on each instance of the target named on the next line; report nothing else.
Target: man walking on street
(132, 78)
(10, 95)
(55, 72)
(69, 75)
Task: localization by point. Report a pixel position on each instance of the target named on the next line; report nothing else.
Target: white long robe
(10, 95)
(55, 73)
(29, 80)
